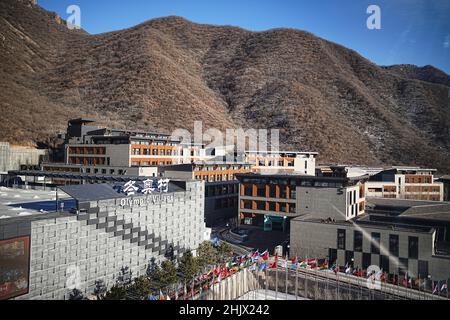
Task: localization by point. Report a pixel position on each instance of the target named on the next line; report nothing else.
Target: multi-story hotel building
(91, 146)
(270, 201)
(221, 186)
(405, 183)
(282, 162)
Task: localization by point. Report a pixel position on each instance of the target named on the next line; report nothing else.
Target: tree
(117, 292)
(141, 287)
(188, 266)
(153, 269)
(207, 255)
(168, 273)
(224, 251)
(100, 289)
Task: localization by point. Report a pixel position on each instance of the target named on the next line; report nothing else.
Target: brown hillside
(166, 73)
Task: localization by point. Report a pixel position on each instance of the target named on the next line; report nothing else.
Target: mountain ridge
(321, 95)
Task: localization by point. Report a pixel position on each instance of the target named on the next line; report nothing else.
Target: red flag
(265, 256)
(274, 265)
(217, 271)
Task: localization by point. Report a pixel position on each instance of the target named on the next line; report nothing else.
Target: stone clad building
(105, 232)
(398, 236)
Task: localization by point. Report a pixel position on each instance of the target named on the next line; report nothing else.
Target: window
(341, 239)
(247, 189)
(283, 193)
(273, 191)
(358, 241)
(146, 152)
(261, 191)
(155, 152)
(349, 258)
(332, 256)
(272, 206)
(413, 247)
(393, 244)
(260, 205)
(423, 269)
(375, 245)
(403, 266)
(136, 151)
(384, 263)
(366, 260)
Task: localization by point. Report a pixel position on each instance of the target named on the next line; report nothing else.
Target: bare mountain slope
(168, 72)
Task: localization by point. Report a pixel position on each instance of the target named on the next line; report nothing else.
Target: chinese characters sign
(146, 187)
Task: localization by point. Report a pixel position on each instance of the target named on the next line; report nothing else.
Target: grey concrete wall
(99, 243)
(321, 202)
(11, 158)
(313, 239)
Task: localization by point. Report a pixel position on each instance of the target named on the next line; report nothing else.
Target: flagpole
(276, 277)
(287, 275)
(266, 283)
(213, 284)
(296, 280)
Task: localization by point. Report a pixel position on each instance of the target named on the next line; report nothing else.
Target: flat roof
(278, 152)
(78, 176)
(91, 192)
(296, 175)
(364, 221)
(432, 211)
(24, 203)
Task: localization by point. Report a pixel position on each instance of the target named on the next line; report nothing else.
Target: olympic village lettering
(156, 192)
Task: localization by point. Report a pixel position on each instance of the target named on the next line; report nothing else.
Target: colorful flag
(324, 266)
(294, 264)
(262, 266)
(274, 265)
(265, 255)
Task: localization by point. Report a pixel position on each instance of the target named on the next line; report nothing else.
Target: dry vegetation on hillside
(166, 73)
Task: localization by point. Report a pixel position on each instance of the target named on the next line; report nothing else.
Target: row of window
(269, 206)
(213, 191)
(290, 163)
(285, 192)
(89, 161)
(151, 163)
(225, 203)
(375, 241)
(221, 168)
(154, 152)
(153, 143)
(87, 150)
(215, 177)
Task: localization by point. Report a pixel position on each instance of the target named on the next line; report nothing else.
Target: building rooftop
(24, 203)
(282, 151)
(413, 209)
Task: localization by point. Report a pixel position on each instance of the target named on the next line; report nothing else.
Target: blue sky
(412, 31)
